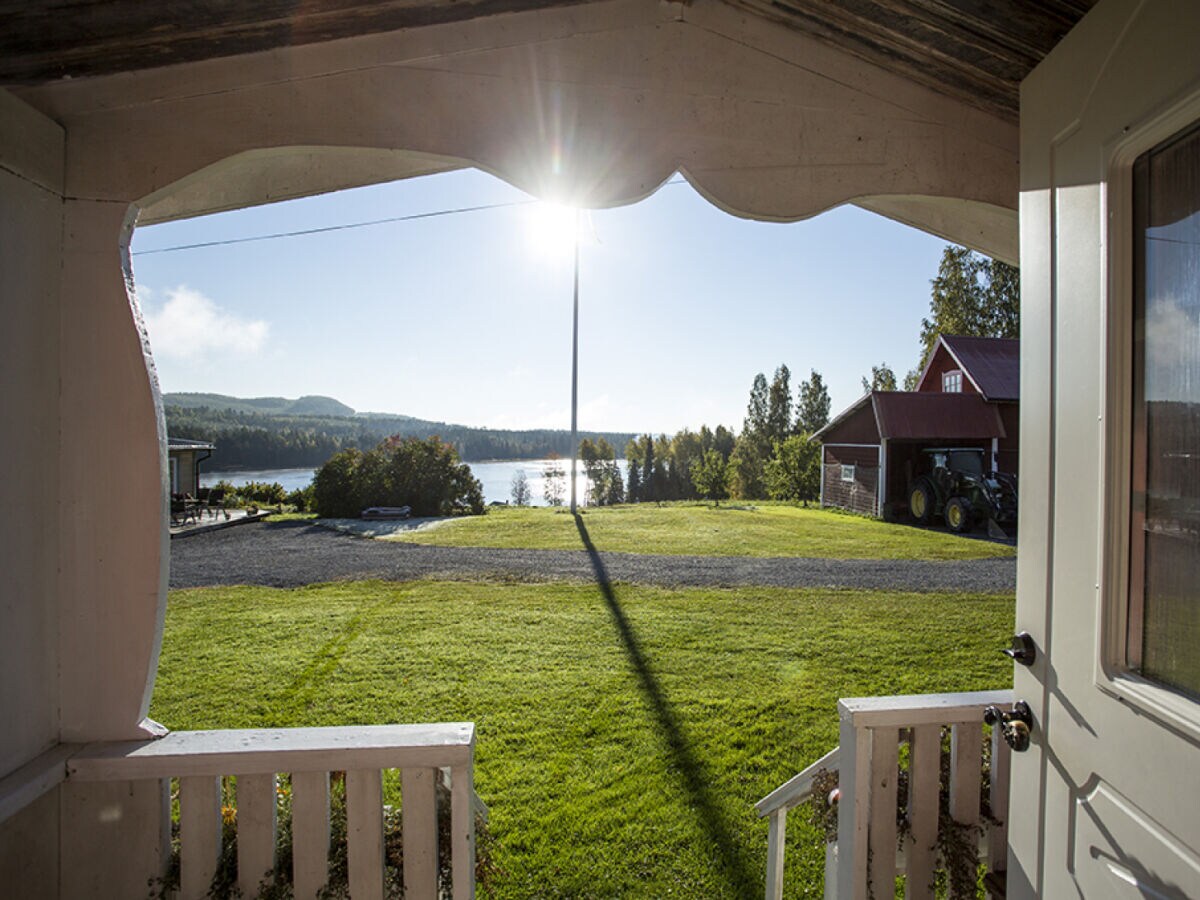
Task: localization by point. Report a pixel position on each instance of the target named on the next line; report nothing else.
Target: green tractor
(958, 486)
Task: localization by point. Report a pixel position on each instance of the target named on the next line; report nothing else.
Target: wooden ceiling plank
(125, 35)
(911, 58)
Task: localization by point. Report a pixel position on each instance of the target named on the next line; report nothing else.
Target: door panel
(1105, 803)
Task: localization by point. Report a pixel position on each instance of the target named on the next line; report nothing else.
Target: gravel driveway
(290, 554)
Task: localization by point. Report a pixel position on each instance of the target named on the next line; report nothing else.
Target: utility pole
(575, 370)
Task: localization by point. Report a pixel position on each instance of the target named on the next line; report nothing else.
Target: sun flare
(552, 229)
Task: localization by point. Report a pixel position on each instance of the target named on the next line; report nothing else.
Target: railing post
(776, 837)
(462, 831)
(854, 779)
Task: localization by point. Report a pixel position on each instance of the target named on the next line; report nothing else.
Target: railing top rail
(793, 791)
(909, 710)
(269, 750)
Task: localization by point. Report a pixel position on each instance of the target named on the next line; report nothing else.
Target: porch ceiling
(974, 50)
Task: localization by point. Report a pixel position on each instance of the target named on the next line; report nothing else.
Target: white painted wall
(31, 169)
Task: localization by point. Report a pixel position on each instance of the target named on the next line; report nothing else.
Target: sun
(552, 229)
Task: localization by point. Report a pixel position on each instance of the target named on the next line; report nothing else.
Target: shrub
(335, 491)
(425, 475)
(303, 499)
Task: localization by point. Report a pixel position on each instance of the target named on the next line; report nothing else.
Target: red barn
(967, 396)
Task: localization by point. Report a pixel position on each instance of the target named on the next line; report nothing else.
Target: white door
(1106, 802)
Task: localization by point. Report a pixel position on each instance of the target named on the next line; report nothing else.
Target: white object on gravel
(381, 528)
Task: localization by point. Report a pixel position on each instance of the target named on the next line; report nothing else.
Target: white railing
(199, 759)
(868, 765)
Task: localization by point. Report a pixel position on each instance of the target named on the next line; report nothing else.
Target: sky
(466, 318)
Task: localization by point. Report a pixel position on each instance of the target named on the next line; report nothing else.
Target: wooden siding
(857, 428)
(851, 456)
(942, 363)
(1008, 457)
(859, 495)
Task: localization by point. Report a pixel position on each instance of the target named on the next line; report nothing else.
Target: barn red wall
(857, 428)
(942, 362)
(1007, 458)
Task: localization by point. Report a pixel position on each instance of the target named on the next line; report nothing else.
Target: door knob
(1017, 725)
(1023, 649)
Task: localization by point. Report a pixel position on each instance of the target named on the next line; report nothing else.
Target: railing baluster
(418, 799)
(255, 831)
(776, 837)
(885, 767)
(310, 833)
(462, 832)
(966, 772)
(199, 834)
(998, 836)
(923, 775)
(364, 833)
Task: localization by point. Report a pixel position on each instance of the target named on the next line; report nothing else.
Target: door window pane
(1164, 634)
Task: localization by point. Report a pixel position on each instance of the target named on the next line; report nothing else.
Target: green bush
(303, 499)
(335, 490)
(425, 475)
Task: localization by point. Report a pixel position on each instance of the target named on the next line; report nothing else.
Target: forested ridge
(256, 434)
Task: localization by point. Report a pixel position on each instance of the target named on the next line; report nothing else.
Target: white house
(118, 112)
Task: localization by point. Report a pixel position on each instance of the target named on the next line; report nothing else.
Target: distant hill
(278, 433)
(302, 406)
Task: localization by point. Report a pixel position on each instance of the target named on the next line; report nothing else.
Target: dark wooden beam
(44, 41)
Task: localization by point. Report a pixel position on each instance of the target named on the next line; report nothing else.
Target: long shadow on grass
(735, 867)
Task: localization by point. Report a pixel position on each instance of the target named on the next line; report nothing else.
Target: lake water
(496, 476)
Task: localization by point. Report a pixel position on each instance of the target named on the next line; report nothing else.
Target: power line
(348, 225)
(344, 227)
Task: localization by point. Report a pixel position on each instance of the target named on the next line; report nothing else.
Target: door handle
(1017, 724)
(1023, 649)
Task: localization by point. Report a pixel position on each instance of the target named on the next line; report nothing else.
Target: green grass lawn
(623, 733)
(704, 530)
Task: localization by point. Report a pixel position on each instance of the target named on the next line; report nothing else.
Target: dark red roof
(993, 364)
(904, 415)
(913, 416)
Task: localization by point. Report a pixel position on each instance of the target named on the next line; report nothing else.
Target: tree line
(264, 440)
(772, 457)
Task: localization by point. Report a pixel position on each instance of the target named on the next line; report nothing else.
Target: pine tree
(779, 406)
(813, 412)
(634, 492)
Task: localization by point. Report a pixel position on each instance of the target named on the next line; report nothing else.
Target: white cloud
(1172, 340)
(188, 325)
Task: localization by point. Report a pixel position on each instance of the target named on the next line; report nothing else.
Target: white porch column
(112, 515)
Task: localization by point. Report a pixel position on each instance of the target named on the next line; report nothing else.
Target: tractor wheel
(922, 501)
(958, 515)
